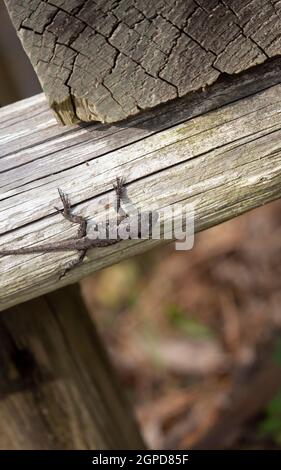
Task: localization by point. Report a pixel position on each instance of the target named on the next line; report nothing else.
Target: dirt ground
(195, 336)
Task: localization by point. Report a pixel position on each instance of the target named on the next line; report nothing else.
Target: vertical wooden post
(57, 388)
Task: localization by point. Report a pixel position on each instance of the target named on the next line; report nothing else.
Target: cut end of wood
(107, 61)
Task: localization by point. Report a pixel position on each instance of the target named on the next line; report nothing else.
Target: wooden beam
(57, 388)
(224, 161)
(107, 60)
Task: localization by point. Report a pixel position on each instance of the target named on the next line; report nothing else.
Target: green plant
(180, 320)
(271, 425)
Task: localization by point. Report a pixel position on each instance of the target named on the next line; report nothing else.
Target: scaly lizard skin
(82, 242)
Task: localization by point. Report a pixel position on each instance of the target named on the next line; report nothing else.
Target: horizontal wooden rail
(219, 149)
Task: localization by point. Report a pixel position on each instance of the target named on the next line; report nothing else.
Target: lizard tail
(20, 251)
(35, 249)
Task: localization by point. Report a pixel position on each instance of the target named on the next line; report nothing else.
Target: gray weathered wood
(57, 389)
(14, 65)
(106, 60)
(225, 162)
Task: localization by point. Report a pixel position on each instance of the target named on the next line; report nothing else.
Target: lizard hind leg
(67, 214)
(82, 231)
(119, 188)
(73, 263)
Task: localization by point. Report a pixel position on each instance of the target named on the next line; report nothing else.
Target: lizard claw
(119, 186)
(65, 202)
(58, 209)
(64, 197)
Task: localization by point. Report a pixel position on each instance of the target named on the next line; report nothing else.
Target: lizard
(82, 242)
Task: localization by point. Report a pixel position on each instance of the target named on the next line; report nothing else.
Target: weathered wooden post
(57, 388)
(218, 150)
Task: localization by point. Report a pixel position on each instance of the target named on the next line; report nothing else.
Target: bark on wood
(106, 60)
(57, 389)
(225, 162)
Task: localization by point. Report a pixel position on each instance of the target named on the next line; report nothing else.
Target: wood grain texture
(220, 151)
(57, 388)
(105, 60)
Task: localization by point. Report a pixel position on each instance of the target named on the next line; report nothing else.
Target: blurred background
(194, 336)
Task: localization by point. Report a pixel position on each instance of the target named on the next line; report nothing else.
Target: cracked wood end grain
(220, 152)
(105, 60)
